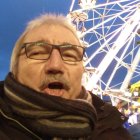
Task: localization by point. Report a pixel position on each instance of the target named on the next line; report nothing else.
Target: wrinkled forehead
(53, 33)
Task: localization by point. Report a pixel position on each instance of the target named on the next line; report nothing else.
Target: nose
(55, 64)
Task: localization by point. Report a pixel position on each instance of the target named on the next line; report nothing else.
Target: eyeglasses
(42, 51)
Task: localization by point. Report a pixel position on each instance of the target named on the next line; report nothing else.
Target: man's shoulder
(108, 115)
(110, 121)
(96, 101)
(10, 130)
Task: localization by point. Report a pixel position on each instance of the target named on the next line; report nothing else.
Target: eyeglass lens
(42, 51)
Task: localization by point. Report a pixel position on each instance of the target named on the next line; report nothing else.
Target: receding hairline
(51, 19)
(48, 19)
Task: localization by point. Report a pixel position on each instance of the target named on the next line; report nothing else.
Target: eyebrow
(42, 40)
(47, 41)
(66, 43)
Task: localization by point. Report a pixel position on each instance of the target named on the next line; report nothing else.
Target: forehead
(55, 34)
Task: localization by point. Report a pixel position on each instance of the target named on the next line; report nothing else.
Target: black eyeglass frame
(58, 47)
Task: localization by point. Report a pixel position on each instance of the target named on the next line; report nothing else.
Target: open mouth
(55, 85)
(55, 89)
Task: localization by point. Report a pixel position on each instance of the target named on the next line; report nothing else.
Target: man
(42, 96)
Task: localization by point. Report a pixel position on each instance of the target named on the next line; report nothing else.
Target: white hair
(49, 19)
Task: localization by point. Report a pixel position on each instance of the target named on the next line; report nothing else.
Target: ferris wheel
(110, 30)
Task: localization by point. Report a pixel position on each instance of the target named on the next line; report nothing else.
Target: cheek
(76, 82)
(29, 74)
(77, 75)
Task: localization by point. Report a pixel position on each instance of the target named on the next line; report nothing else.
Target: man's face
(52, 76)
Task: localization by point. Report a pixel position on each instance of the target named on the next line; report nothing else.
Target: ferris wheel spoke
(112, 32)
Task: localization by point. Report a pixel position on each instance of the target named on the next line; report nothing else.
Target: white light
(136, 93)
(128, 94)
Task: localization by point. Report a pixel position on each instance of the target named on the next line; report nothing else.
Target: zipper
(25, 128)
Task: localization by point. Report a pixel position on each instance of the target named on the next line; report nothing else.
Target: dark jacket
(109, 126)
